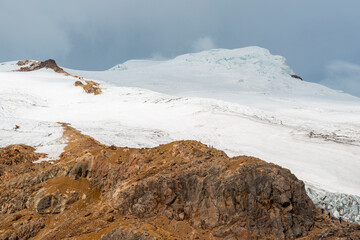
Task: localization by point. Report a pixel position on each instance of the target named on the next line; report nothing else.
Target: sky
(320, 39)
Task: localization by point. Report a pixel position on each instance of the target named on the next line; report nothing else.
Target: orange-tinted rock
(181, 190)
(89, 87)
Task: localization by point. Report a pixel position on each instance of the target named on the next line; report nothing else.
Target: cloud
(94, 35)
(157, 56)
(343, 76)
(204, 43)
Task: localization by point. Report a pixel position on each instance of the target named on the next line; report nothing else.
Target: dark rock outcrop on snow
(31, 65)
(296, 76)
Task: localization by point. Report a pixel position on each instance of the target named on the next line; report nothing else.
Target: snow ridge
(246, 69)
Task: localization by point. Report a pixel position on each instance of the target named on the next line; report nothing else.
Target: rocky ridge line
(181, 190)
(89, 87)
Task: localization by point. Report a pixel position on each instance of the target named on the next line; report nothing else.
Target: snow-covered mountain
(218, 72)
(243, 101)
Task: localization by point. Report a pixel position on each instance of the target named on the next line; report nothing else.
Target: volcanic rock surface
(181, 190)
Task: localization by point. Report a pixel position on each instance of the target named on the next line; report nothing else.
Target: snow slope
(242, 101)
(248, 76)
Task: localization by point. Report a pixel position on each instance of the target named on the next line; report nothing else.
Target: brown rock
(129, 234)
(167, 192)
(36, 65)
(89, 87)
(25, 231)
(16, 154)
(16, 217)
(110, 218)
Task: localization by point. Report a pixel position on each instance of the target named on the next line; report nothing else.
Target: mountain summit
(250, 69)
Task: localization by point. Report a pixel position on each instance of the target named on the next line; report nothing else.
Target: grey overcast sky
(319, 38)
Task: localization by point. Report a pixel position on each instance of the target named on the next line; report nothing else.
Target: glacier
(338, 205)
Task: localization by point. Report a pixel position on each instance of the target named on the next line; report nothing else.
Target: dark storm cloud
(90, 34)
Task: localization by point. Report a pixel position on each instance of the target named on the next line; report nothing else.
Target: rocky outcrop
(296, 77)
(181, 190)
(31, 65)
(52, 203)
(16, 154)
(17, 160)
(89, 87)
(260, 197)
(25, 230)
